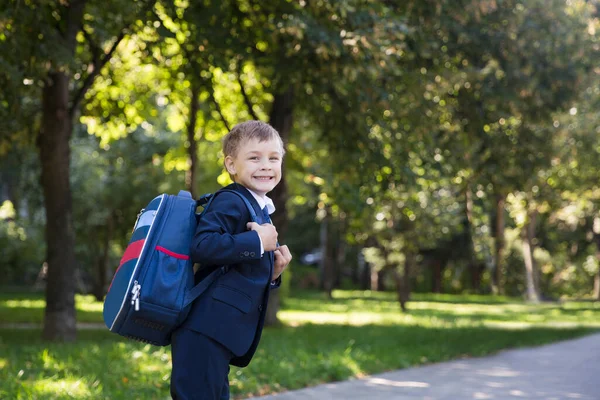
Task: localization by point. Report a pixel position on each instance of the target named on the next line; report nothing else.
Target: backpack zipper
(135, 295)
(138, 218)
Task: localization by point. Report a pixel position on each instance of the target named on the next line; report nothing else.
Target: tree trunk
(363, 271)
(596, 294)
(403, 281)
(365, 279)
(497, 286)
(596, 230)
(190, 176)
(473, 267)
(381, 281)
(280, 118)
(436, 276)
(528, 235)
(54, 151)
(356, 269)
(374, 281)
(340, 253)
(99, 289)
(327, 262)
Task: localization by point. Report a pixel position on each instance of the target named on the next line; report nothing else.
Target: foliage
(17, 239)
(21, 218)
(409, 119)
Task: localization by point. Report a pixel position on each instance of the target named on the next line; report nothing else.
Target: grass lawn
(320, 340)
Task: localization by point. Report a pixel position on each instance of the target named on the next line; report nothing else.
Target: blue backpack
(153, 287)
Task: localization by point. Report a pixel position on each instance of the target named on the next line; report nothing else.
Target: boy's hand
(282, 259)
(267, 233)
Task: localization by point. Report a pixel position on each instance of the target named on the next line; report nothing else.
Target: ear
(230, 165)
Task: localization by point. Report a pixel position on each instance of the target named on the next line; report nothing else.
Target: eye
(254, 158)
(275, 158)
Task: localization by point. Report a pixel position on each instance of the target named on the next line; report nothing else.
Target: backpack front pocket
(167, 278)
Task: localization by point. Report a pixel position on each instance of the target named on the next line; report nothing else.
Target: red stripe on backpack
(132, 251)
(173, 254)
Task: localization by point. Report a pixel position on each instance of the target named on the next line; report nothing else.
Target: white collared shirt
(264, 201)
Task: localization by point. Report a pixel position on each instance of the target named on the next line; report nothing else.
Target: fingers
(285, 251)
(283, 255)
(253, 225)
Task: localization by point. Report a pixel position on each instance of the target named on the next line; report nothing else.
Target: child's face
(257, 165)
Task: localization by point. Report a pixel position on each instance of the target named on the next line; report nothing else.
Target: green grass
(355, 334)
(29, 308)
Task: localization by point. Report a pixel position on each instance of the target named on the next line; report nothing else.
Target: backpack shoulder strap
(206, 200)
(206, 282)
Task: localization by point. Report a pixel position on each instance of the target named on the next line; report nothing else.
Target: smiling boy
(225, 323)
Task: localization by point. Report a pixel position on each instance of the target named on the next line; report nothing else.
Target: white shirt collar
(264, 201)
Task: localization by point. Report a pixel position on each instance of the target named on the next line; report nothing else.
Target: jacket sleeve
(221, 237)
(276, 283)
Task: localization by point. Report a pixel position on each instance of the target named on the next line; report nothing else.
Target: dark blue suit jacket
(232, 310)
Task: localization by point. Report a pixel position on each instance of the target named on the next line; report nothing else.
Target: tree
(518, 63)
(66, 46)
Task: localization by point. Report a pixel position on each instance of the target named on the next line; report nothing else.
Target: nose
(265, 165)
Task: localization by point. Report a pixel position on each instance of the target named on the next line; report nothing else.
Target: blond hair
(249, 130)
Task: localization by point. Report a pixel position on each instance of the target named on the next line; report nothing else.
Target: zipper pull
(135, 295)
(137, 219)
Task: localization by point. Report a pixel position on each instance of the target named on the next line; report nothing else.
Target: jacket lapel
(251, 199)
(257, 209)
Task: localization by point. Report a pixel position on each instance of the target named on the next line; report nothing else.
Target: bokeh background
(434, 149)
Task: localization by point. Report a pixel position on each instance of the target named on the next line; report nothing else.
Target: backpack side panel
(118, 298)
(155, 296)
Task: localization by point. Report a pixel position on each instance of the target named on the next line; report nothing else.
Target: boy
(225, 323)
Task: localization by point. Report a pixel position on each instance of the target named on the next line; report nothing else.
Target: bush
(23, 248)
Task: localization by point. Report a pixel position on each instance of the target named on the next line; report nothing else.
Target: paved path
(568, 370)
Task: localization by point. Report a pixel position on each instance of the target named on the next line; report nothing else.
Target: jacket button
(260, 308)
(246, 253)
(252, 254)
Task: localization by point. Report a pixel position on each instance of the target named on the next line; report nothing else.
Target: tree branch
(211, 93)
(94, 48)
(98, 64)
(246, 98)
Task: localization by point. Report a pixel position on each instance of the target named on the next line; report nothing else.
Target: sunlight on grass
(467, 308)
(352, 365)
(31, 310)
(151, 361)
(51, 363)
(295, 318)
(3, 363)
(354, 308)
(23, 303)
(88, 303)
(53, 388)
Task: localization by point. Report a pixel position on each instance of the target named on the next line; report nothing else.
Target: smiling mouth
(263, 178)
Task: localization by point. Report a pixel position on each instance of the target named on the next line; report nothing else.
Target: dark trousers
(200, 367)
